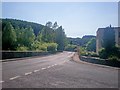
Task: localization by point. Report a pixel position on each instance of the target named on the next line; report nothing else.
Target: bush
(22, 48)
(52, 47)
(70, 47)
(93, 54)
(113, 58)
(103, 54)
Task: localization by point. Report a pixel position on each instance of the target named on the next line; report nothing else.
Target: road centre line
(53, 65)
(2, 81)
(43, 68)
(28, 73)
(48, 66)
(36, 70)
(14, 77)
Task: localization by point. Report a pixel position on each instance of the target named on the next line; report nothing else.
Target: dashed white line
(2, 81)
(55, 64)
(28, 73)
(52, 65)
(43, 68)
(36, 70)
(14, 77)
(48, 66)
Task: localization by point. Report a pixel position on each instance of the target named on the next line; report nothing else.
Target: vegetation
(109, 51)
(22, 36)
(70, 47)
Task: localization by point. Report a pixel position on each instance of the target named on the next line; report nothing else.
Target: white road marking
(14, 77)
(52, 65)
(36, 70)
(43, 68)
(55, 64)
(1, 81)
(28, 73)
(48, 66)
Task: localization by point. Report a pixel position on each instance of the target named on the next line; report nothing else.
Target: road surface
(56, 71)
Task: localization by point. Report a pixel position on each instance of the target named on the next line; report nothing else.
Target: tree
(28, 37)
(49, 24)
(55, 26)
(8, 37)
(60, 38)
(108, 38)
(91, 45)
(47, 34)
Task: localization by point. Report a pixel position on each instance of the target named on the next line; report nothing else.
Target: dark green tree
(108, 38)
(60, 38)
(55, 26)
(8, 37)
(49, 24)
(91, 45)
(47, 34)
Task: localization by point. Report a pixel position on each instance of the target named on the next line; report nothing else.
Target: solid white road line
(43, 68)
(36, 70)
(14, 77)
(1, 81)
(28, 73)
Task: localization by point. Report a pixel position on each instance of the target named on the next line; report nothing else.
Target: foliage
(8, 37)
(60, 38)
(91, 45)
(85, 39)
(18, 34)
(38, 46)
(83, 51)
(70, 47)
(103, 54)
(23, 24)
(113, 53)
(52, 47)
(108, 38)
(47, 35)
(114, 58)
(22, 48)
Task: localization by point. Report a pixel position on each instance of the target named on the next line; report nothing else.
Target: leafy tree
(91, 45)
(25, 36)
(8, 37)
(55, 26)
(60, 38)
(108, 38)
(49, 24)
(52, 47)
(70, 47)
(47, 35)
(22, 48)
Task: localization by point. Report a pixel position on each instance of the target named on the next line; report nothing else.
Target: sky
(77, 18)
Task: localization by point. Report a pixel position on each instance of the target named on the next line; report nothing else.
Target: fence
(100, 61)
(17, 54)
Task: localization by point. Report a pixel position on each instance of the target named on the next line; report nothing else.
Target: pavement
(56, 71)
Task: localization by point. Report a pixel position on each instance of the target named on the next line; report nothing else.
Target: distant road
(56, 71)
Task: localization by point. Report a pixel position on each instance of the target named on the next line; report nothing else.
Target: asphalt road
(56, 71)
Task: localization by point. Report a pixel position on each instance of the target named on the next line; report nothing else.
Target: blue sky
(77, 19)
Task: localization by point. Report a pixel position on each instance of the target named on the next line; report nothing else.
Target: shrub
(70, 47)
(113, 58)
(52, 47)
(22, 48)
(103, 54)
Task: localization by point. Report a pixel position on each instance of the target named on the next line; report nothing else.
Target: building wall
(99, 37)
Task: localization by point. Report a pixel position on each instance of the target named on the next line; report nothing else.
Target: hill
(22, 24)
